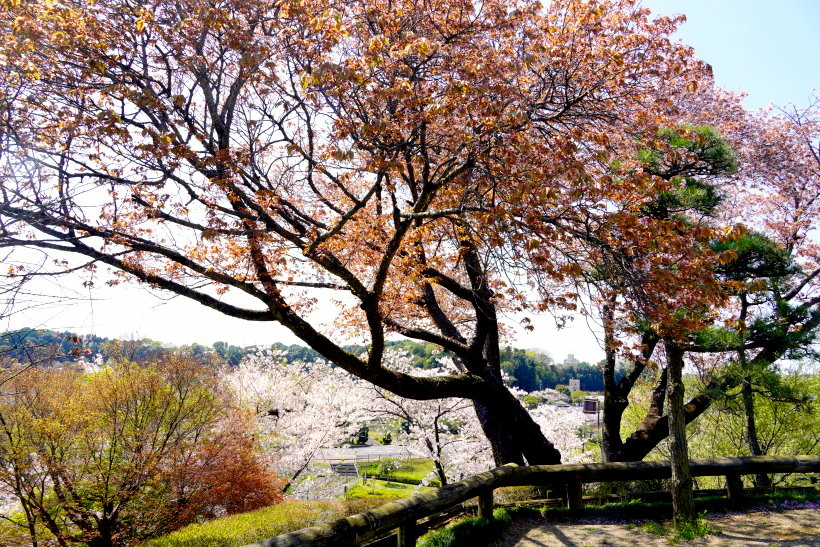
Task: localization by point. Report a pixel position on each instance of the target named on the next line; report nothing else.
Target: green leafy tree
(387, 466)
(757, 273)
(785, 427)
(88, 455)
(532, 401)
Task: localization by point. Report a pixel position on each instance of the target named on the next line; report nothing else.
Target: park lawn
(376, 488)
(253, 526)
(411, 469)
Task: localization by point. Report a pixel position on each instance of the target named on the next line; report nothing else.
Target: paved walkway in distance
(363, 453)
(793, 528)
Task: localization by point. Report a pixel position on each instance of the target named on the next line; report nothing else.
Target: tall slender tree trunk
(436, 449)
(761, 479)
(612, 448)
(615, 400)
(32, 529)
(747, 395)
(683, 504)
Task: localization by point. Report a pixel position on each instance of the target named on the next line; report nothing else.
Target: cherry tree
(564, 425)
(774, 275)
(446, 431)
(301, 408)
(300, 411)
(423, 164)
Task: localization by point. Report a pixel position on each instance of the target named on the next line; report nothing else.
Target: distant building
(574, 384)
(571, 360)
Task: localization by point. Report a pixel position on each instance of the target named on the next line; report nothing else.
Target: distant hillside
(527, 369)
(532, 371)
(25, 345)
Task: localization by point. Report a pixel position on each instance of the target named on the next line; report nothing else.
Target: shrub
(511, 494)
(387, 466)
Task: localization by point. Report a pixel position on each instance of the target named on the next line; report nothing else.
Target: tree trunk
(655, 429)
(513, 434)
(683, 504)
(32, 530)
(649, 433)
(615, 399)
(442, 476)
(747, 396)
(105, 536)
(761, 479)
(505, 449)
(436, 451)
(616, 394)
(612, 448)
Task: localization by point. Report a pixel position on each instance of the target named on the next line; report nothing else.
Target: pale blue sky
(770, 49)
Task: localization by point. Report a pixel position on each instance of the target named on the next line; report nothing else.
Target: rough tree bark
(761, 479)
(616, 393)
(683, 503)
(747, 397)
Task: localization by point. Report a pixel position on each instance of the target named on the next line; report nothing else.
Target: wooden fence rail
(403, 514)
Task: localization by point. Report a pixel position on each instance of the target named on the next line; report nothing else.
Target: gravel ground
(796, 527)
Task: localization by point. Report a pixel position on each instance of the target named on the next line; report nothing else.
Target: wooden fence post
(734, 486)
(575, 501)
(407, 535)
(485, 504)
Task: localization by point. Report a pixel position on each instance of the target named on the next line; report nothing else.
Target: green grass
(657, 529)
(264, 523)
(697, 528)
(685, 531)
(414, 469)
(469, 532)
(382, 488)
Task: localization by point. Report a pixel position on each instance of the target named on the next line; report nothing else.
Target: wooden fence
(402, 515)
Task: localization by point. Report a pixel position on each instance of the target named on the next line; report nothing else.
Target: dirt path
(799, 527)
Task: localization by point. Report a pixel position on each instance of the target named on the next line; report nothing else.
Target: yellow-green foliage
(264, 523)
(125, 443)
(14, 530)
(783, 428)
